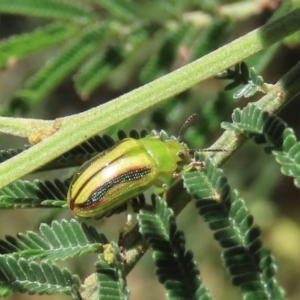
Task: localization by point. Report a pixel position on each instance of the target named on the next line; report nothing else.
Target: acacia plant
(152, 55)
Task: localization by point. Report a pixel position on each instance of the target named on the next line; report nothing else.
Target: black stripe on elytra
(98, 194)
(74, 197)
(94, 159)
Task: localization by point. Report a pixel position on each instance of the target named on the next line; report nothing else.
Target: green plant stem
(75, 129)
(23, 127)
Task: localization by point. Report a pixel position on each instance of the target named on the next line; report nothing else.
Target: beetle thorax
(167, 154)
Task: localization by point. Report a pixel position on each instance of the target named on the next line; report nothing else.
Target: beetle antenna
(183, 129)
(208, 150)
(185, 125)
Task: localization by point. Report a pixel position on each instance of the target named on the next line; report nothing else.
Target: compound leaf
(176, 268)
(252, 267)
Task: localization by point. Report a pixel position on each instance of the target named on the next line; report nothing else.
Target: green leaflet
(54, 9)
(161, 62)
(270, 130)
(120, 9)
(61, 240)
(18, 46)
(20, 275)
(26, 194)
(95, 70)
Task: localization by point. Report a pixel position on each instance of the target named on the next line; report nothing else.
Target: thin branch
(23, 127)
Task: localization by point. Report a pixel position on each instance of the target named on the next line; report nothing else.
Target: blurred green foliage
(60, 58)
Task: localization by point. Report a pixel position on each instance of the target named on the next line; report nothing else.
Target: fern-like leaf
(271, 130)
(36, 194)
(60, 241)
(249, 80)
(62, 65)
(289, 156)
(211, 38)
(7, 154)
(120, 9)
(258, 125)
(97, 69)
(252, 268)
(161, 63)
(54, 9)
(20, 275)
(99, 66)
(176, 268)
(18, 46)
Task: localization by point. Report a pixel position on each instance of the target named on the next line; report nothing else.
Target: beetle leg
(129, 213)
(128, 223)
(158, 183)
(125, 229)
(194, 164)
(198, 164)
(165, 190)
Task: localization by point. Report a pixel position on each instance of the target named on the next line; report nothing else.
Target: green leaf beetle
(126, 170)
